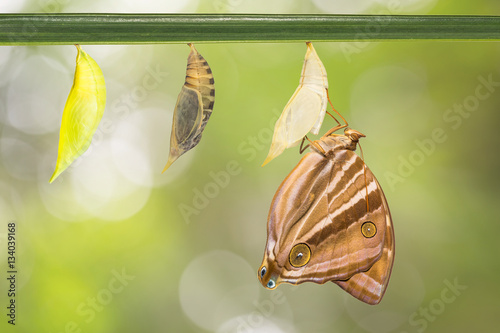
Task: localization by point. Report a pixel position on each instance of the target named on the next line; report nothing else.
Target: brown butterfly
(194, 107)
(329, 221)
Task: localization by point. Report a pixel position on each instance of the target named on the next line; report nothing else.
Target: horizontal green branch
(42, 29)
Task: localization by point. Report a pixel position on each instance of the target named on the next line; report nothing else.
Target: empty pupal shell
(305, 110)
(82, 113)
(193, 108)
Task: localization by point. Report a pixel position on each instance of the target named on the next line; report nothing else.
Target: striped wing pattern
(322, 203)
(369, 286)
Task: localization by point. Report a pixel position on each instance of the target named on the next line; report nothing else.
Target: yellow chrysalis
(82, 113)
(194, 107)
(305, 110)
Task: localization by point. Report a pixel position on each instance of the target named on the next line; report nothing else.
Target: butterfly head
(353, 134)
(269, 275)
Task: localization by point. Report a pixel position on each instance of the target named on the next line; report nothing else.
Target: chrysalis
(82, 113)
(194, 106)
(306, 108)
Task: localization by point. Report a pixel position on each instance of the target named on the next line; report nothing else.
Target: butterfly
(194, 107)
(82, 113)
(329, 221)
(305, 110)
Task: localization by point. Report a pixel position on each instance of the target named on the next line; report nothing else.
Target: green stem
(42, 29)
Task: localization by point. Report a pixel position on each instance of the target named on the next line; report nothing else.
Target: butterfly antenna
(366, 183)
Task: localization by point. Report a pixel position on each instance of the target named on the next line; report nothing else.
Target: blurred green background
(115, 246)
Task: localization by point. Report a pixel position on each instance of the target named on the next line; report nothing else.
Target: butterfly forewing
(291, 209)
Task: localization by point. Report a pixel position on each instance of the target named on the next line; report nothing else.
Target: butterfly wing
(370, 286)
(322, 203)
(298, 197)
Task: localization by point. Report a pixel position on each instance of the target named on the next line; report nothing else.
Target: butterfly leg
(301, 150)
(311, 143)
(329, 101)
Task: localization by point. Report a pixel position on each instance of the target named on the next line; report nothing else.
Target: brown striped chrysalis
(194, 106)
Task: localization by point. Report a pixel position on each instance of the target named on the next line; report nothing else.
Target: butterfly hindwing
(353, 252)
(370, 286)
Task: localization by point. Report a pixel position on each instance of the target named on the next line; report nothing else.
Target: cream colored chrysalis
(305, 110)
(82, 113)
